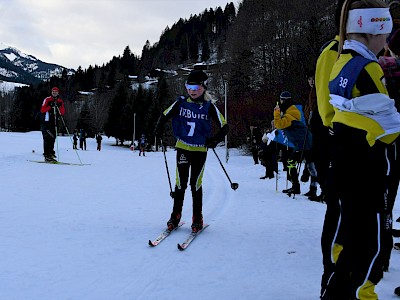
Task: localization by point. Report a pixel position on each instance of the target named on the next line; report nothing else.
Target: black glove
(52, 104)
(211, 142)
(58, 104)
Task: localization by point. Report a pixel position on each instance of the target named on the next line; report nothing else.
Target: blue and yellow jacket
(367, 106)
(290, 118)
(191, 122)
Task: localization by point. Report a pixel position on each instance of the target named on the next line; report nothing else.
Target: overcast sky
(74, 33)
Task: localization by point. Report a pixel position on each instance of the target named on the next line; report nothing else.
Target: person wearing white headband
(369, 20)
(365, 125)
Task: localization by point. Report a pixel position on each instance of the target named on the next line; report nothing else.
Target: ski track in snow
(81, 232)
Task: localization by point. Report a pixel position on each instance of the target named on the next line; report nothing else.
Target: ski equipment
(190, 238)
(234, 185)
(55, 162)
(163, 235)
(172, 194)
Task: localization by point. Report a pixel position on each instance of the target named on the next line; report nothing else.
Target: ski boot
(173, 222)
(49, 158)
(397, 291)
(312, 193)
(396, 246)
(305, 176)
(197, 224)
(294, 190)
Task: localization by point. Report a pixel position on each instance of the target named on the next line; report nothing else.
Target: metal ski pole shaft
(166, 166)
(234, 185)
(277, 166)
(69, 135)
(302, 152)
(55, 127)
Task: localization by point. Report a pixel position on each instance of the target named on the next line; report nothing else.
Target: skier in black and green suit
(192, 117)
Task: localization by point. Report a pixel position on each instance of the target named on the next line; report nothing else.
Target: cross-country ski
(190, 238)
(163, 235)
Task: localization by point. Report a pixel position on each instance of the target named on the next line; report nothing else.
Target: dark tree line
(270, 48)
(258, 49)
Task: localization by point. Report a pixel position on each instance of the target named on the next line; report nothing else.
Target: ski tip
(180, 247)
(151, 244)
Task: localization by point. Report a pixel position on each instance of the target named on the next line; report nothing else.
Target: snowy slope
(81, 232)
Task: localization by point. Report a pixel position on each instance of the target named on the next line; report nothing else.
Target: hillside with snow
(16, 66)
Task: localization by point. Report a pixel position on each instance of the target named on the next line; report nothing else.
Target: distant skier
(51, 109)
(142, 145)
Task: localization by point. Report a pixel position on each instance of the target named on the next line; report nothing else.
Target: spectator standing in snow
(82, 139)
(99, 138)
(191, 122)
(268, 156)
(391, 68)
(289, 116)
(313, 120)
(75, 139)
(365, 123)
(52, 108)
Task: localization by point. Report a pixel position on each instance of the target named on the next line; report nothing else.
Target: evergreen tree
(86, 121)
(23, 110)
(113, 126)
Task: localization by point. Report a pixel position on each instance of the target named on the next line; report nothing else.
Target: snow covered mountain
(16, 66)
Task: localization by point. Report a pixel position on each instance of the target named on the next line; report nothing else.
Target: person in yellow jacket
(365, 123)
(289, 116)
(331, 244)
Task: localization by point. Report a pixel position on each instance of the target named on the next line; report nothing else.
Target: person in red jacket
(52, 107)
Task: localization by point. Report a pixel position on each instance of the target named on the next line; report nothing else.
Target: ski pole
(55, 127)
(277, 167)
(302, 152)
(66, 128)
(234, 185)
(172, 194)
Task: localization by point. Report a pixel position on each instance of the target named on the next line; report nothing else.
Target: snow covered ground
(81, 232)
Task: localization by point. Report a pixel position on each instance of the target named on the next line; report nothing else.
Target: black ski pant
(291, 164)
(331, 237)
(269, 158)
(49, 138)
(321, 149)
(360, 178)
(387, 220)
(192, 162)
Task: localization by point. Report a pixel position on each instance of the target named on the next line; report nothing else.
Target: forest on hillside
(256, 49)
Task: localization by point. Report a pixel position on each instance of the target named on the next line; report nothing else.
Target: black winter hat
(197, 77)
(285, 95)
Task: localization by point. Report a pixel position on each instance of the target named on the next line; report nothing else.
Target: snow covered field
(81, 232)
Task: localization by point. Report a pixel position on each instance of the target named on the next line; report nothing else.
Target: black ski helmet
(285, 95)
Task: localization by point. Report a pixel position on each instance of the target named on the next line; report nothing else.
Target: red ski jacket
(46, 105)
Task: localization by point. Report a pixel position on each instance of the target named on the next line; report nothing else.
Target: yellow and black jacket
(365, 105)
(323, 70)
